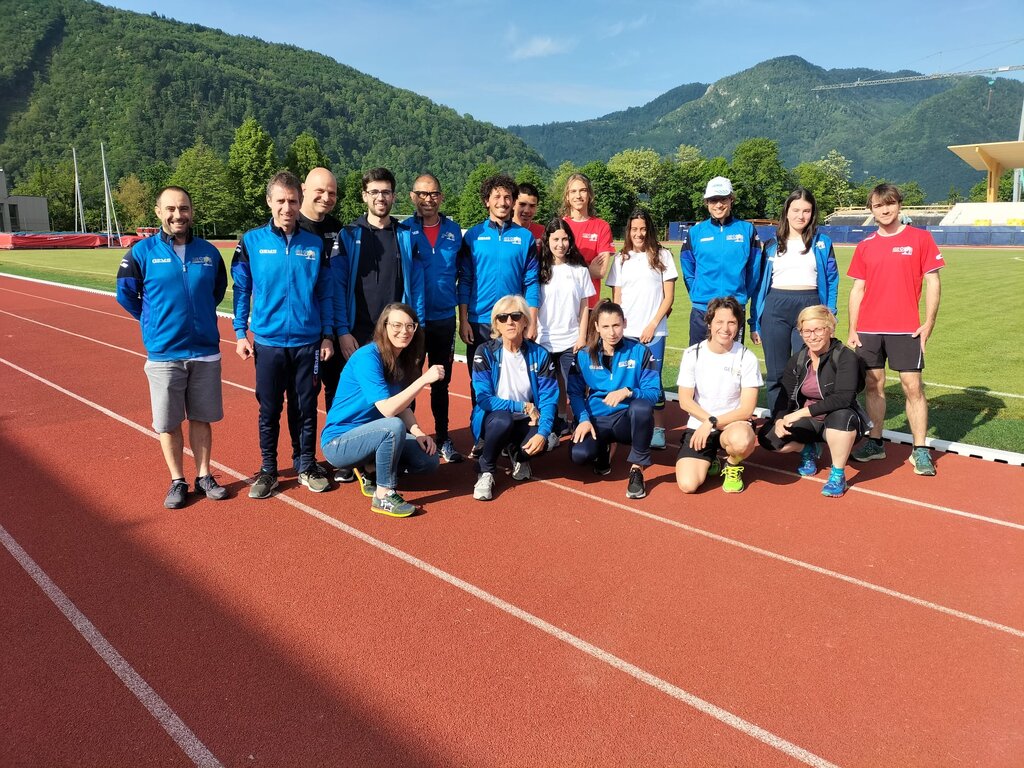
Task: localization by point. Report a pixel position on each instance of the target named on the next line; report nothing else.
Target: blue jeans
(388, 443)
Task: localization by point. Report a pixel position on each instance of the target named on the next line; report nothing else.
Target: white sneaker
(521, 469)
(484, 488)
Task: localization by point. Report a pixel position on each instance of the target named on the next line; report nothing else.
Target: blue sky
(536, 62)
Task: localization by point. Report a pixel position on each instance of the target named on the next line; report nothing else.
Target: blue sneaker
(809, 459)
(921, 460)
(836, 484)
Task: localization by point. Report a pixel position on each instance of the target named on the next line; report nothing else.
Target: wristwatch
(713, 421)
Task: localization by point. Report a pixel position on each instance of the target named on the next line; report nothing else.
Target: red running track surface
(556, 625)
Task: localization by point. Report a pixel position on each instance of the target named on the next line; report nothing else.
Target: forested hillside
(899, 132)
(74, 73)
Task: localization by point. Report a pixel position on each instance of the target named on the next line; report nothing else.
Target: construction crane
(990, 71)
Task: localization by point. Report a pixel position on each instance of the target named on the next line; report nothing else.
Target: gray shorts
(184, 389)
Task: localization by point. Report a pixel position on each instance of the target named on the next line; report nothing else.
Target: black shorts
(902, 350)
(710, 451)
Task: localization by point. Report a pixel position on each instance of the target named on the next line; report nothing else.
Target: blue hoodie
(828, 278)
(487, 371)
(174, 301)
(286, 285)
(630, 365)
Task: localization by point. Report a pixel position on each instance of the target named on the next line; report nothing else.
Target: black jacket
(838, 377)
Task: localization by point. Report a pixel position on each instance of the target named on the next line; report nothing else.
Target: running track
(557, 625)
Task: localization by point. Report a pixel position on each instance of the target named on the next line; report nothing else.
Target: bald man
(319, 196)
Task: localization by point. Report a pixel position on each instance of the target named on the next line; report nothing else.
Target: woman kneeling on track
(371, 419)
(718, 383)
(613, 385)
(818, 401)
(516, 395)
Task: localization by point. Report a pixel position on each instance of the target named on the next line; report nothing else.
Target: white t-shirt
(794, 268)
(642, 288)
(558, 322)
(717, 379)
(514, 379)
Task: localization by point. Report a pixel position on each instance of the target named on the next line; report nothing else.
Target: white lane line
(793, 561)
(701, 705)
(133, 681)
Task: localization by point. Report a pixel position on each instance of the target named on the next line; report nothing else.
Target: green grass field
(975, 365)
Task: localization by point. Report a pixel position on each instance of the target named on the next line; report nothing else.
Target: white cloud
(540, 47)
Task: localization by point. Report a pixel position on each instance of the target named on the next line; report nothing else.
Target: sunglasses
(505, 316)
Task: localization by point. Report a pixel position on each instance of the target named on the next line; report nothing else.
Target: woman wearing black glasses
(818, 400)
(516, 395)
(371, 421)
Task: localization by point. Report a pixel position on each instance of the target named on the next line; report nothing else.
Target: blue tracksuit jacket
(720, 258)
(543, 383)
(440, 267)
(175, 302)
(494, 262)
(631, 365)
(828, 277)
(286, 286)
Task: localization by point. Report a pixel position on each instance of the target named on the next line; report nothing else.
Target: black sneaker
(213, 490)
(603, 464)
(636, 488)
(264, 485)
(177, 494)
(477, 450)
(344, 475)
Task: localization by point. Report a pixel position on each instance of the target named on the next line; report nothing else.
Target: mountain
(899, 132)
(75, 72)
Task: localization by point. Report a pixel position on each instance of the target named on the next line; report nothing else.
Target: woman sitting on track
(371, 419)
(516, 395)
(718, 383)
(613, 386)
(818, 401)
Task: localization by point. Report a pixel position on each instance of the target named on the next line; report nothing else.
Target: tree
(304, 155)
(638, 169)
(673, 200)
(471, 207)
(57, 185)
(837, 171)
(350, 197)
(687, 154)
(156, 176)
(613, 200)
(912, 193)
(760, 179)
(135, 202)
(206, 177)
(979, 191)
(252, 162)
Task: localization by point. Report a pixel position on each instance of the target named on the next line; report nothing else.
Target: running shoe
(521, 469)
(177, 494)
(733, 482)
(367, 482)
(477, 450)
(263, 486)
(809, 459)
(716, 467)
(314, 479)
(603, 464)
(636, 489)
(484, 488)
(448, 453)
(922, 462)
(213, 490)
(870, 450)
(392, 505)
(343, 474)
(835, 486)
(553, 441)
(658, 438)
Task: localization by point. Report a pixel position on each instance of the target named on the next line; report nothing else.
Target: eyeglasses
(399, 327)
(426, 195)
(809, 332)
(379, 192)
(504, 317)
(715, 200)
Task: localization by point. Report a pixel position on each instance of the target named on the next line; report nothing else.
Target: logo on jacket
(309, 254)
(738, 238)
(205, 261)
(512, 239)
(268, 251)
(448, 236)
(627, 364)
(161, 261)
